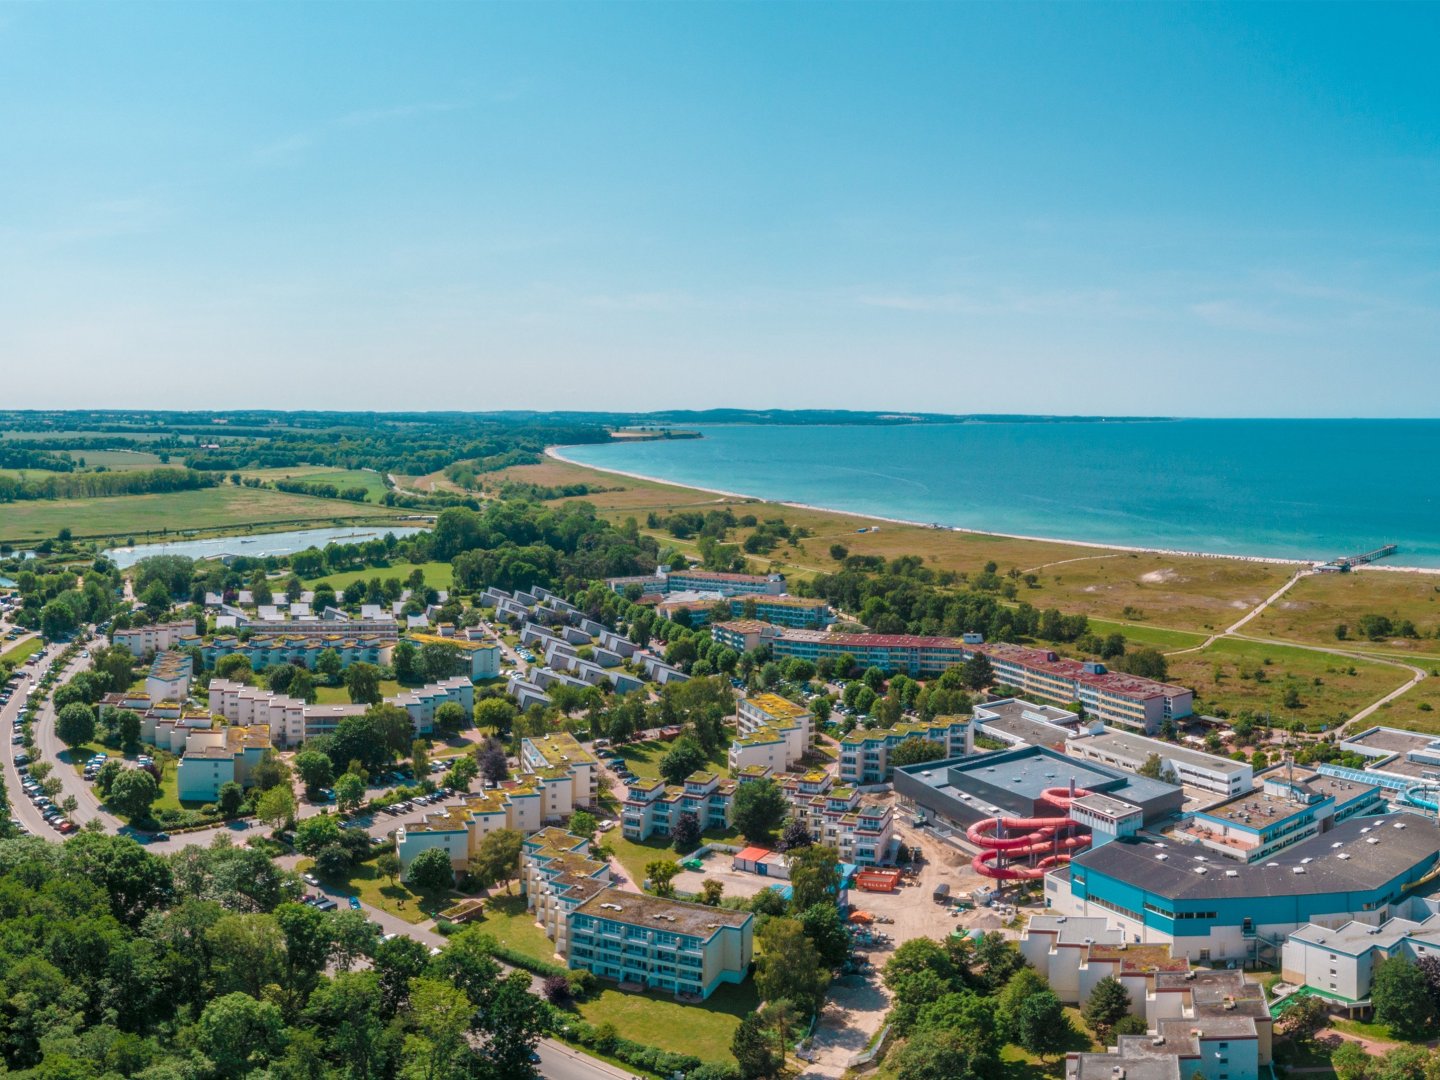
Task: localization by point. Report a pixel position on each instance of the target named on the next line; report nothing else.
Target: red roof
(752, 854)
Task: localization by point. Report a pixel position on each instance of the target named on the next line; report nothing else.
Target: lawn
(373, 889)
(146, 516)
(634, 856)
(338, 695)
(1418, 709)
(438, 575)
(704, 1030)
(1138, 635)
(372, 482)
(1223, 676)
(508, 922)
(644, 758)
(22, 652)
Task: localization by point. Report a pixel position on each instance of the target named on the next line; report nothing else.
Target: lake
(256, 545)
(1300, 489)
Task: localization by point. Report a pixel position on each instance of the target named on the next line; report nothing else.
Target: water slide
(1424, 796)
(1029, 837)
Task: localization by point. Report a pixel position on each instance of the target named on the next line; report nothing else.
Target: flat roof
(1392, 740)
(1137, 747)
(1401, 842)
(1259, 807)
(655, 913)
(1101, 1066)
(775, 705)
(1018, 708)
(1356, 937)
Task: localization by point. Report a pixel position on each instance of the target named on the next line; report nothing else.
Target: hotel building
(865, 755)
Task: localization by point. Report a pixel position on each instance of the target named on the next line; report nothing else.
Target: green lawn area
(634, 856)
(1139, 635)
(77, 756)
(438, 575)
(148, 516)
(644, 758)
(22, 652)
(704, 1030)
(375, 890)
(506, 920)
(124, 459)
(338, 695)
(372, 482)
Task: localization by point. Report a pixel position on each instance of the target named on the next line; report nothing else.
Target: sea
(1275, 489)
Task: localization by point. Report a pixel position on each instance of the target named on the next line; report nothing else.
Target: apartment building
(1192, 768)
(571, 773)
(157, 637)
(169, 676)
(865, 755)
(1126, 700)
(557, 874)
(1340, 960)
(771, 731)
(653, 807)
(215, 758)
(459, 829)
(421, 703)
(267, 650)
(663, 582)
(292, 721)
(796, 612)
(834, 815)
(481, 657)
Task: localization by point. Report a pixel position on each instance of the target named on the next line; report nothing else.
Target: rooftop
(919, 729)
(1391, 740)
(1257, 808)
(1355, 938)
(774, 705)
(561, 750)
(1137, 748)
(675, 916)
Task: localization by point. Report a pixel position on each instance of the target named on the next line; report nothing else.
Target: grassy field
(1410, 709)
(338, 695)
(121, 460)
(1331, 688)
(1140, 635)
(1173, 591)
(1313, 608)
(644, 758)
(372, 482)
(506, 919)
(634, 856)
(22, 652)
(658, 1019)
(149, 516)
(373, 889)
(438, 575)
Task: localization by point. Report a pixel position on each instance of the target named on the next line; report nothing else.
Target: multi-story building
(292, 721)
(653, 807)
(1016, 722)
(459, 829)
(797, 612)
(1191, 768)
(664, 582)
(143, 640)
(1113, 698)
(481, 656)
(865, 755)
(267, 650)
(571, 773)
(770, 731)
(169, 676)
(861, 833)
(684, 949)
(421, 703)
(1289, 806)
(214, 758)
(1340, 961)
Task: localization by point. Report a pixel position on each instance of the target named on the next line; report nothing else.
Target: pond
(258, 545)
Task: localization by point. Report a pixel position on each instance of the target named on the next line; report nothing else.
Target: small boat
(247, 541)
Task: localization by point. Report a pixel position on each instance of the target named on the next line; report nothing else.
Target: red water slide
(1034, 836)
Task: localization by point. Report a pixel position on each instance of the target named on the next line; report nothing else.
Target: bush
(556, 989)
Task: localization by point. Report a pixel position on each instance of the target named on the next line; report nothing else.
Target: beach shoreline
(554, 452)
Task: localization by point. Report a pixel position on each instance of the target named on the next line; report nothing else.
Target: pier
(1349, 562)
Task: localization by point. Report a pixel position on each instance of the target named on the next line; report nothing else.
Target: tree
(497, 858)
(235, 667)
(513, 1025)
(75, 725)
(660, 874)
(711, 891)
(387, 865)
(1148, 663)
(133, 793)
(276, 807)
(462, 773)
(754, 1054)
(937, 1054)
(316, 832)
(430, 871)
(795, 835)
(239, 1034)
(333, 862)
(1401, 996)
(494, 713)
(362, 683)
(583, 823)
(683, 758)
(449, 719)
(420, 758)
(404, 659)
(440, 1017)
(271, 771)
(1305, 1017)
(349, 792)
(814, 876)
(976, 672)
(230, 799)
(1041, 1025)
(789, 965)
(1350, 1061)
(1022, 985)
(1107, 1003)
(316, 771)
(759, 807)
(827, 933)
(329, 666)
(915, 751)
(685, 833)
(490, 757)
(997, 958)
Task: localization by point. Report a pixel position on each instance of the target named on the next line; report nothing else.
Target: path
(1251, 614)
(1081, 558)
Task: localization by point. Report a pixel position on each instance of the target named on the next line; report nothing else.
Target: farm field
(168, 514)
(124, 459)
(372, 482)
(1174, 591)
(1331, 688)
(438, 575)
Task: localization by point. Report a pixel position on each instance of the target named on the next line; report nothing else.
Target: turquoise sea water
(1279, 488)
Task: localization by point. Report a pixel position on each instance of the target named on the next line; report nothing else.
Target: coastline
(555, 453)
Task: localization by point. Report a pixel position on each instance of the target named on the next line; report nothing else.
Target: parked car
(310, 879)
(354, 903)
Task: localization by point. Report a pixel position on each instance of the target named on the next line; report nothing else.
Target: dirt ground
(853, 1012)
(717, 866)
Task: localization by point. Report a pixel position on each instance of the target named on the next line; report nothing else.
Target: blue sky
(1155, 209)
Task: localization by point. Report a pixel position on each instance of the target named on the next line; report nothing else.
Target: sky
(1153, 209)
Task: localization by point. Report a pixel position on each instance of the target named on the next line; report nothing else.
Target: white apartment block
(569, 771)
(764, 718)
(292, 721)
(865, 755)
(860, 833)
(1192, 768)
(458, 830)
(143, 640)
